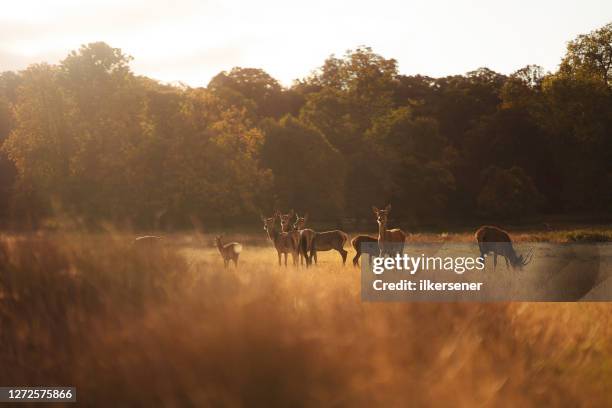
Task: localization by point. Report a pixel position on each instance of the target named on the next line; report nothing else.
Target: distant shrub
(587, 236)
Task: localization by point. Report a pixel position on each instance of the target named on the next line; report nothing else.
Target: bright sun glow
(190, 41)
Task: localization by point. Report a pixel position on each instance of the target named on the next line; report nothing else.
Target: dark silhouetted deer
(389, 241)
(495, 240)
(230, 251)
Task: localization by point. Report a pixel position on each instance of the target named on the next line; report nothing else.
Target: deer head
(285, 220)
(382, 215)
(522, 260)
(268, 223)
(300, 222)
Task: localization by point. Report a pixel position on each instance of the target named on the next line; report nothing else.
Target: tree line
(89, 138)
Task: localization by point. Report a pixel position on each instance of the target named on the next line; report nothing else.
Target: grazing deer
(306, 234)
(496, 240)
(283, 242)
(363, 239)
(229, 252)
(324, 241)
(389, 241)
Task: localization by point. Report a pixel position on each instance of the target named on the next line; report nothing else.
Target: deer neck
(273, 234)
(382, 230)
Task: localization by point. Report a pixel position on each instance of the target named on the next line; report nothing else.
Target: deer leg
(343, 253)
(279, 257)
(507, 263)
(236, 262)
(356, 258)
(225, 262)
(285, 259)
(494, 261)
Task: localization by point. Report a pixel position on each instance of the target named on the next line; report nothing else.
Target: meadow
(169, 326)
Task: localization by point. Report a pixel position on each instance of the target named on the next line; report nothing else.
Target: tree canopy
(90, 138)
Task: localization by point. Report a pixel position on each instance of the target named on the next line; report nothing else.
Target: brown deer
(389, 241)
(230, 251)
(496, 240)
(286, 226)
(324, 241)
(283, 242)
(304, 233)
(364, 239)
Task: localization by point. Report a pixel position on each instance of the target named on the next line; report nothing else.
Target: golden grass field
(171, 327)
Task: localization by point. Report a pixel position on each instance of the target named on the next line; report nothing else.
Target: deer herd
(303, 243)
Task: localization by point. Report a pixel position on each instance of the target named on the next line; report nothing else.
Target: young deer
(496, 240)
(229, 252)
(389, 241)
(363, 239)
(283, 242)
(305, 234)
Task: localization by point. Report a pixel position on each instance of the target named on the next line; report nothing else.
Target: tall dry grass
(168, 326)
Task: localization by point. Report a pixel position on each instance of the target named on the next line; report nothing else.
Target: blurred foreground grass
(168, 326)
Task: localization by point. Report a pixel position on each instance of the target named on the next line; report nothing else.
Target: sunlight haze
(191, 41)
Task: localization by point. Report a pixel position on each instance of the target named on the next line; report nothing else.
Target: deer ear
(375, 209)
(388, 207)
(262, 217)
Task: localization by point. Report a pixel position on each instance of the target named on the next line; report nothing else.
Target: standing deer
(283, 242)
(496, 240)
(304, 233)
(285, 221)
(324, 241)
(229, 252)
(363, 239)
(389, 241)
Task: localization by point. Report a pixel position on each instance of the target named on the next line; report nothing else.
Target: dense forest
(89, 139)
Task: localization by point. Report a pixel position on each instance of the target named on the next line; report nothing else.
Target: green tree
(256, 91)
(508, 193)
(590, 56)
(309, 173)
(211, 165)
(418, 160)
(40, 146)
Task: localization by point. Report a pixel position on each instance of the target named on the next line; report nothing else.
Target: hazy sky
(190, 41)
